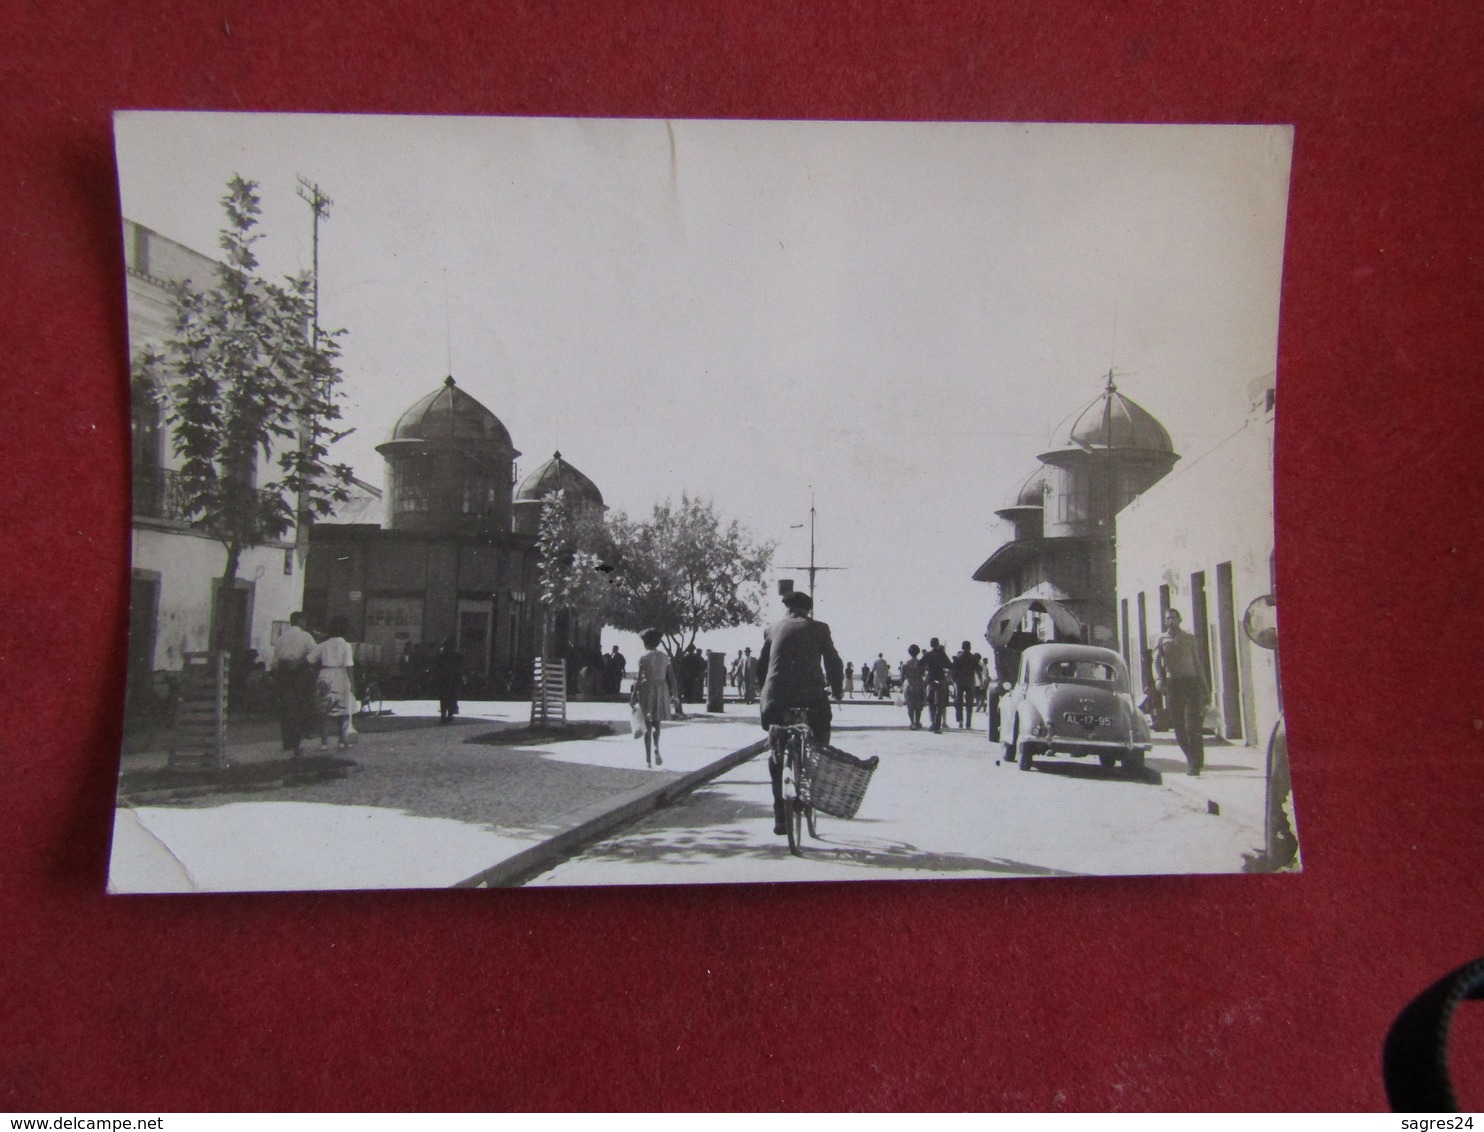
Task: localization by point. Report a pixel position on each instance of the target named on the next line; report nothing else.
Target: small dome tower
(553, 476)
(1114, 452)
(450, 466)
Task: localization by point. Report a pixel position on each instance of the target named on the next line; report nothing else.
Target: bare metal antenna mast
(812, 568)
(447, 324)
(319, 204)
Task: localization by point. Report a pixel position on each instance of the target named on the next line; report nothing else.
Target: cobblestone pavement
(432, 804)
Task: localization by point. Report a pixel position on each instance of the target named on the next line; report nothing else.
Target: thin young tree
(574, 549)
(247, 384)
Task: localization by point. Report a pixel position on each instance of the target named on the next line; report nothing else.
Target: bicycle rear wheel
(809, 811)
(795, 804)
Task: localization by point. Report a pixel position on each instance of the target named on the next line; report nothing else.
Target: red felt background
(1231, 992)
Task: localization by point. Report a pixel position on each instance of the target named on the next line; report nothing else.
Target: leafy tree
(244, 377)
(681, 571)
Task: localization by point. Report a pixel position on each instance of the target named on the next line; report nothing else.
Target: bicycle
(794, 744)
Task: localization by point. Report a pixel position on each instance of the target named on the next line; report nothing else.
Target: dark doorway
(144, 613)
(1146, 658)
(231, 629)
(1226, 639)
(1200, 615)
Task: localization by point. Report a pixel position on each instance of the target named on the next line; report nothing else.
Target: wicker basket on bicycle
(835, 781)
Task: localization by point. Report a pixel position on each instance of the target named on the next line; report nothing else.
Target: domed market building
(454, 555)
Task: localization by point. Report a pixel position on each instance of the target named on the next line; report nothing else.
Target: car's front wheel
(1133, 762)
(1026, 758)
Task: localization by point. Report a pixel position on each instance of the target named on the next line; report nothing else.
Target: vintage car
(1072, 700)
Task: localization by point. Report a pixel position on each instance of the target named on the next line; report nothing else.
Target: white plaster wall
(188, 565)
(1215, 508)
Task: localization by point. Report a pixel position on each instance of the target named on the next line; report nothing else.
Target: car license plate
(1087, 720)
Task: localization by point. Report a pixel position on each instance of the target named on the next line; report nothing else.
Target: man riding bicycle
(797, 659)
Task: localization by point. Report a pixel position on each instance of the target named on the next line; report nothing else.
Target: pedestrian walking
(981, 700)
(881, 677)
(335, 659)
(448, 678)
(615, 665)
(850, 679)
(655, 691)
(749, 676)
(866, 677)
(914, 687)
(965, 672)
(1180, 675)
(297, 687)
(937, 664)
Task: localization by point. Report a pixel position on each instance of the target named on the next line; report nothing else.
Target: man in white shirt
(297, 686)
(1180, 675)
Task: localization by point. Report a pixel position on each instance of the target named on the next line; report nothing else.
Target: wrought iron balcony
(163, 494)
(160, 493)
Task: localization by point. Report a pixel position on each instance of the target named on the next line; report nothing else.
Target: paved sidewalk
(412, 805)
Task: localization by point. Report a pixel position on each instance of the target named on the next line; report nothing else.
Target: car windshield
(1080, 672)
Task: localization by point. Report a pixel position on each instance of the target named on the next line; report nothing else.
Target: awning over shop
(1007, 618)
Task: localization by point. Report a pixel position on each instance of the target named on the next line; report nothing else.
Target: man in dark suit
(965, 672)
(937, 665)
(615, 664)
(797, 661)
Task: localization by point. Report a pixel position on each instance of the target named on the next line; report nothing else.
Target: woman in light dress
(335, 659)
(655, 690)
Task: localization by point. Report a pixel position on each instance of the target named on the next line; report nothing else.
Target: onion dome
(1026, 507)
(558, 475)
(450, 466)
(1114, 426)
(1031, 493)
(448, 413)
(1114, 423)
(553, 476)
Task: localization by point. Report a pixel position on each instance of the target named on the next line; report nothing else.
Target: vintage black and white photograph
(592, 501)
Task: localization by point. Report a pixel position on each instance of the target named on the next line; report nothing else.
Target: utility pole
(319, 204)
(812, 568)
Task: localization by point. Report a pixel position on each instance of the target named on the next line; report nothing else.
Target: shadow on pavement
(1089, 770)
(516, 734)
(1178, 766)
(236, 777)
(501, 788)
(705, 831)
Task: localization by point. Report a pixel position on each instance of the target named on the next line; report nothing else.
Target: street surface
(943, 806)
(415, 805)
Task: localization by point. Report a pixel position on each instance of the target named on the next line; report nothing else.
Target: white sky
(896, 315)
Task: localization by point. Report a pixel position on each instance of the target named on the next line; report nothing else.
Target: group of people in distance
(743, 674)
(929, 679)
